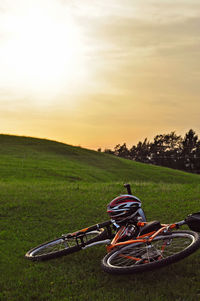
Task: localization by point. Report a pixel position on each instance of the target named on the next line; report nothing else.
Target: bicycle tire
(141, 257)
(63, 246)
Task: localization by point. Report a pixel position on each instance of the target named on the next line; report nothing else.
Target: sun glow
(44, 54)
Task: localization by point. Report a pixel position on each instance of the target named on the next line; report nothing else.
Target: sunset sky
(96, 73)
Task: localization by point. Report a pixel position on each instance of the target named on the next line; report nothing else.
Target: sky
(96, 73)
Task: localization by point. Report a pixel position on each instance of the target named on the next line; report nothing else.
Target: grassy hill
(49, 188)
(31, 159)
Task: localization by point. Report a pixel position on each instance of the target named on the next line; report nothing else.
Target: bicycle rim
(61, 246)
(163, 250)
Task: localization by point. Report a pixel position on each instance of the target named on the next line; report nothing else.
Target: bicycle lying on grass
(133, 244)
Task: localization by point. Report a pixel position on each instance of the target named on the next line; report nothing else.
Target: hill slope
(32, 159)
(49, 188)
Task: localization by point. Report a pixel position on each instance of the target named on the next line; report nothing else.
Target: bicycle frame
(81, 234)
(114, 242)
(111, 244)
(147, 237)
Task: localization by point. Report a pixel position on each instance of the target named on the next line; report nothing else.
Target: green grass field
(49, 188)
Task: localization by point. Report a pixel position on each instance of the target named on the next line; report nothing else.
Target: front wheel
(162, 250)
(64, 245)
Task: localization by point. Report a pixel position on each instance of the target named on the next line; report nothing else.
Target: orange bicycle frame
(147, 237)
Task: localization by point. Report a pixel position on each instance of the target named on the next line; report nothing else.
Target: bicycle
(133, 244)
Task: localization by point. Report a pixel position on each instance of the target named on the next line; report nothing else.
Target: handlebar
(128, 187)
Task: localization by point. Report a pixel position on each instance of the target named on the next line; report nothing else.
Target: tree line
(168, 150)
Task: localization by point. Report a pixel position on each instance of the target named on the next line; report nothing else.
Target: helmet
(123, 207)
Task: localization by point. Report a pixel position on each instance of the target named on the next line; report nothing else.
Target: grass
(34, 160)
(48, 188)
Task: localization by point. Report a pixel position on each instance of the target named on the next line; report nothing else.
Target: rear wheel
(64, 245)
(163, 250)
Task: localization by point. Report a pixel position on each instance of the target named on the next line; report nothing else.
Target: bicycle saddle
(151, 226)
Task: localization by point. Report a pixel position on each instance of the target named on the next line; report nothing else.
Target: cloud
(126, 34)
(142, 55)
(143, 64)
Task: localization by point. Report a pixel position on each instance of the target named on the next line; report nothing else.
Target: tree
(169, 150)
(122, 151)
(197, 161)
(166, 150)
(141, 152)
(190, 151)
(109, 151)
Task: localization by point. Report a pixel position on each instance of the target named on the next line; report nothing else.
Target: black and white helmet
(123, 207)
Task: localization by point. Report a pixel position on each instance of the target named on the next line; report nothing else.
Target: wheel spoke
(57, 246)
(158, 250)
